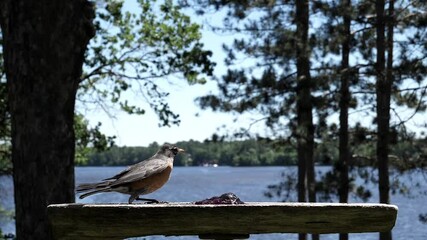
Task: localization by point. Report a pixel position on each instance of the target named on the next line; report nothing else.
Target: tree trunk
(305, 128)
(384, 177)
(383, 91)
(344, 102)
(44, 44)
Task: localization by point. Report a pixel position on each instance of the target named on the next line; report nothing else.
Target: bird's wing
(140, 171)
(120, 174)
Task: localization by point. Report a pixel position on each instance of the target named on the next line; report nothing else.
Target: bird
(139, 179)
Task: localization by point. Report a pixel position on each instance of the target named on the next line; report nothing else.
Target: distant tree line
(235, 153)
(405, 155)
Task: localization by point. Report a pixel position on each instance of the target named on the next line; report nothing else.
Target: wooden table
(118, 221)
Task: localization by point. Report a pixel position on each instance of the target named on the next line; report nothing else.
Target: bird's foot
(156, 202)
(149, 200)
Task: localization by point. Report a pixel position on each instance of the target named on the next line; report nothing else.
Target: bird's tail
(92, 188)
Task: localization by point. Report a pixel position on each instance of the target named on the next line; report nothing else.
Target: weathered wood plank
(118, 221)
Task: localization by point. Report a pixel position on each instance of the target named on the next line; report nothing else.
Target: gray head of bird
(170, 150)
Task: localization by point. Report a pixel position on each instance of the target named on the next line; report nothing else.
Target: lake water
(189, 184)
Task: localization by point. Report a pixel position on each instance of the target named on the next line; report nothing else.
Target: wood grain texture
(118, 221)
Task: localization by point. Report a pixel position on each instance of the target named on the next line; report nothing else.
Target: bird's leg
(132, 198)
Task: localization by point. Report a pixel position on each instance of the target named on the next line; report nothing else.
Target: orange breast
(152, 183)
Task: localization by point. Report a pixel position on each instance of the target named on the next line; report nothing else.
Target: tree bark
(305, 128)
(44, 44)
(383, 91)
(344, 102)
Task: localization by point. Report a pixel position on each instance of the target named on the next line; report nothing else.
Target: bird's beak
(181, 150)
